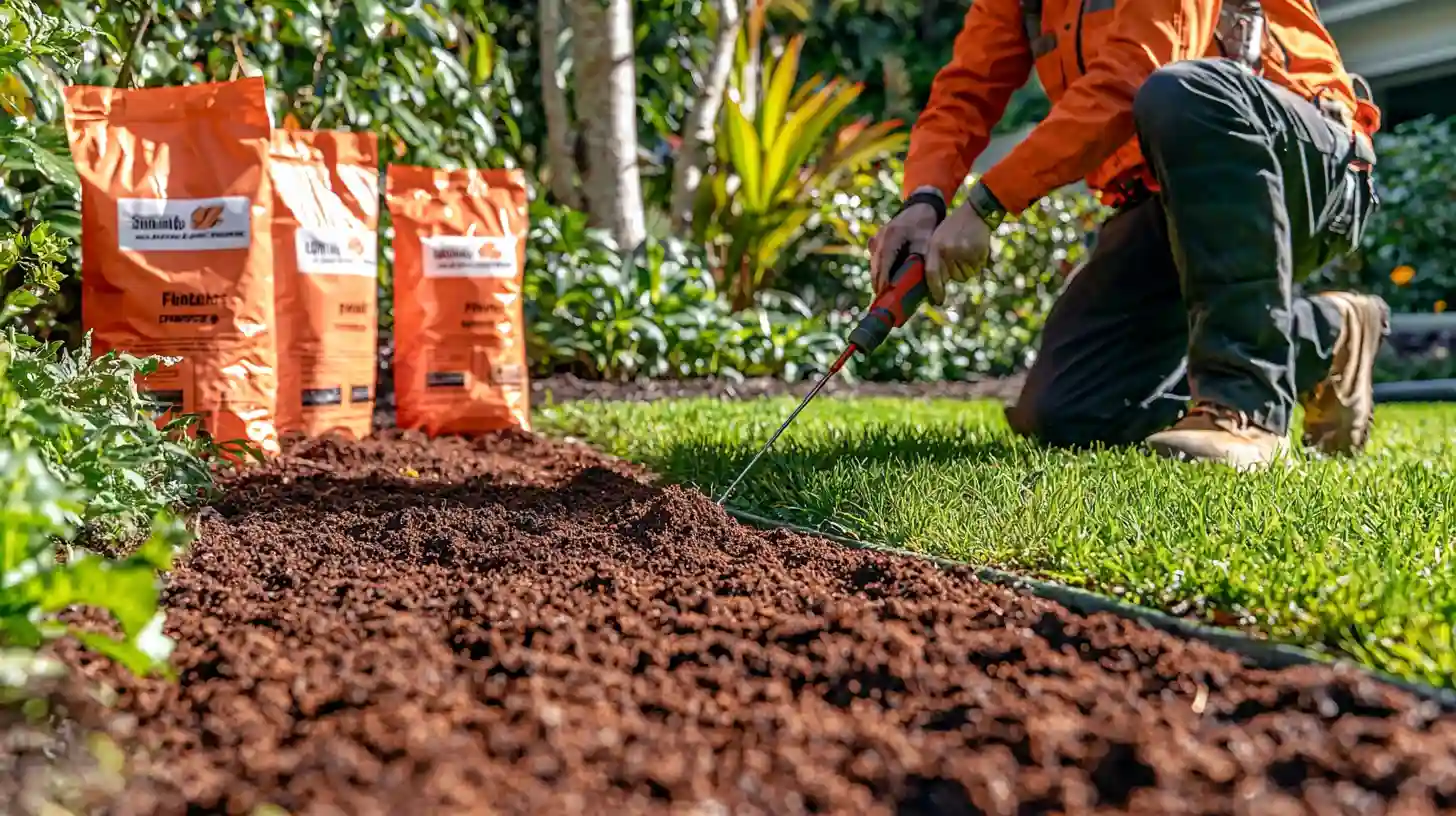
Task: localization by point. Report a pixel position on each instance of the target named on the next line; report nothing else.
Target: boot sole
(1346, 428)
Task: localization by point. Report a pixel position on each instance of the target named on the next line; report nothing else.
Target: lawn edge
(1264, 654)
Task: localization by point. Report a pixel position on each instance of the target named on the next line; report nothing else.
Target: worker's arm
(1094, 117)
(989, 62)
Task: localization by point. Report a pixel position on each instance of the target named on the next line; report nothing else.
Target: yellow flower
(1401, 275)
(1440, 306)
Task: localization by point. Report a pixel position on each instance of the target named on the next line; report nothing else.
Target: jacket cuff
(915, 178)
(1015, 197)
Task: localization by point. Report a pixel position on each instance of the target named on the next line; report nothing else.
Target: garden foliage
(776, 266)
(1409, 255)
(82, 461)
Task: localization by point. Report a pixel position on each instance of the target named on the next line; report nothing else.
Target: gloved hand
(958, 249)
(910, 230)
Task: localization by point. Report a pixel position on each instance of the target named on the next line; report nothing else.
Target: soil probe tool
(894, 306)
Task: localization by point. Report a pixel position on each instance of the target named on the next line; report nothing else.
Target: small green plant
(1406, 255)
(82, 460)
(85, 416)
(36, 511)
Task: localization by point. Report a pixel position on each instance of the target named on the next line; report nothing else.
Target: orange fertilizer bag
(325, 239)
(176, 252)
(460, 335)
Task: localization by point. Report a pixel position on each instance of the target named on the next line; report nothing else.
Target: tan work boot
(1210, 433)
(1338, 411)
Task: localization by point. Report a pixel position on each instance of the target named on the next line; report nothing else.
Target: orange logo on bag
(489, 252)
(206, 217)
(356, 246)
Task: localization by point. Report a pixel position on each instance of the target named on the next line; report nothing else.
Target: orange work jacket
(1092, 56)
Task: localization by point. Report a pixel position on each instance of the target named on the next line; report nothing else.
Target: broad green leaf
(59, 169)
(482, 59)
(126, 589)
(21, 299)
(20, 630)
(776, 239)
(773, 107)
(745, 154)
(373, 17)
(132, 655)
(802, 134)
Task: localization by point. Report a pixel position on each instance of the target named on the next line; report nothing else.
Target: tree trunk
(748, 102)
(606, 108)
(701, 125)
(559, 155)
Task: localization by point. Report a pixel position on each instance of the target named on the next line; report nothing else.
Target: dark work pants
(1188, 295)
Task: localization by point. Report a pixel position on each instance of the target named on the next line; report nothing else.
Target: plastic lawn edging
(1416, 391)
(1264, 654)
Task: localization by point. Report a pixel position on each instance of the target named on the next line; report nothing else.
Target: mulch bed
(511, 625)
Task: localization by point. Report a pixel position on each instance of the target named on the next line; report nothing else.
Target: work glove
(959, 249)
(909, 231)
(961, 245)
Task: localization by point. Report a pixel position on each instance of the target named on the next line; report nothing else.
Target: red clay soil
(512, 626)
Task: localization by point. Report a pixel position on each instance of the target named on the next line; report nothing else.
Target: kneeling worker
(1230, 142)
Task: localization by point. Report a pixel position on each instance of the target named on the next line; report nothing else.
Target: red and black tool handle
(893, 306)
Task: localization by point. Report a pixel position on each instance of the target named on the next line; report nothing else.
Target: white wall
(1381, 38)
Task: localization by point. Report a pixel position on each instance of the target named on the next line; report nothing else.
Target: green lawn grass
(1350, 556)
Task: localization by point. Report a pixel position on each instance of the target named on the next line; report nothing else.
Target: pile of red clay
(513, 626)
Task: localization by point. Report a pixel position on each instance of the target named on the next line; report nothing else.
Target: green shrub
(774, 158)
(81, 458)
(38, 185)
(86, 418)
(592, 314)
(429, 79)
(1408, 254)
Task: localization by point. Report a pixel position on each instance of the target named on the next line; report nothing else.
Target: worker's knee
(1045, 422)
(1168, 102)
(1019, 418)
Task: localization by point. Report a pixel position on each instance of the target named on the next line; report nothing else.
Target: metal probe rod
(834, 369)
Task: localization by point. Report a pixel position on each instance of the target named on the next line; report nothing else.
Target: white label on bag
(469, 256)
(336, 251)
(183, 224)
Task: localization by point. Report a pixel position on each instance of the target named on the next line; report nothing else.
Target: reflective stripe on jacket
(1092, 56)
